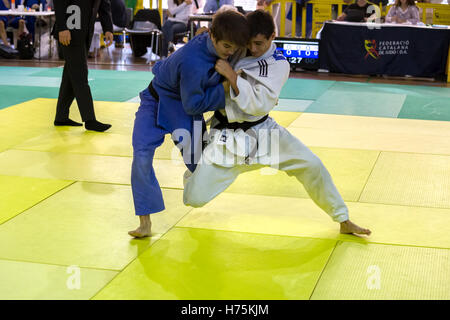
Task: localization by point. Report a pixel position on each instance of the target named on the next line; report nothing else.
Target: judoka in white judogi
(231, 152)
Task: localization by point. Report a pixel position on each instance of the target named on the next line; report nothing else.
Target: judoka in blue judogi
(184, 86)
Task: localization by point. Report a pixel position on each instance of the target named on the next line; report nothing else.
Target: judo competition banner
(360, 48)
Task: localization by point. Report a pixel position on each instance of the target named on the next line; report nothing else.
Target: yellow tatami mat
(66, 202)
(78, 167)
(206, 264)
(369, 133)
(301, 217)
(33, 281)
(348, 168)
(358, 271)
(24, 121)
(32, 124)
(33, 118)
(120, 115)
(84, 167)
(371, 124)
(410, 179)
(18, 193)
(86, 225)
(63, 140)
(284, 118)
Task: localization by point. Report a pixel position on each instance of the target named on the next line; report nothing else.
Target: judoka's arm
(259, 99)
(225, 69)
(195, 96)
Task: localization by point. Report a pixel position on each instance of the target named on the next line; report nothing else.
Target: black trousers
(75, 84)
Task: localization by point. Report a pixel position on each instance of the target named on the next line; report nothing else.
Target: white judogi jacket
(260, 84)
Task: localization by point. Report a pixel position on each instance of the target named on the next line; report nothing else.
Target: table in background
(38, 15)
(384, 49)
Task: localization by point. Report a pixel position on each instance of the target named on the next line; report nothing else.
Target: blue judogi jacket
(188, 85)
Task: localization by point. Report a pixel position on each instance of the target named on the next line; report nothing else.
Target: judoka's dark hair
(231, 26)
(261, 22)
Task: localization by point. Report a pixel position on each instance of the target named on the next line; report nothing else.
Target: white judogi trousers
(210, 179)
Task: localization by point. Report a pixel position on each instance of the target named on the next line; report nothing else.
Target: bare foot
(350, 227)
(144, 229)
(140, 233)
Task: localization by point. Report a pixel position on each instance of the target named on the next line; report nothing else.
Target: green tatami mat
(374, 272)
(33, 281)
(303, 89)
(204, 264)
(110, 85)
(86, 225)
(106, 85)
(20, 71)
(384, 100)
(116, 89)
(18, 193)
(26, 81)
(11, 95)
(427, 108)
(408, 89)
(100, 74)
(358, 99)
(292, 105)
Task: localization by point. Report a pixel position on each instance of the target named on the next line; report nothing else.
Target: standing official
(74, 29)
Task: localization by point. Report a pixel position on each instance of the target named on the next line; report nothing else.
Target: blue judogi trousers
(147, 136)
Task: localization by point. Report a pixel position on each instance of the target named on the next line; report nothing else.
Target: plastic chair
(145, 27)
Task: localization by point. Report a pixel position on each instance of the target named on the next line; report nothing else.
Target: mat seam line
(51, 195)
(368, 177)
(56, 264)
(311, 238)
(162, 235)
(323, 269)
(251, 194)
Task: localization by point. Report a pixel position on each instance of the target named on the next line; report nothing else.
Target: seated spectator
(403, 11)
(214, 5)
(20, 23)
(179, 11)
(357, 12)
(4, 22)
(119, 18)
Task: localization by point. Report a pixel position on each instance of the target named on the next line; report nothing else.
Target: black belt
(153, 92)
(223, 122)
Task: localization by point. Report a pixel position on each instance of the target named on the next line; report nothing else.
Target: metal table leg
(40, 32)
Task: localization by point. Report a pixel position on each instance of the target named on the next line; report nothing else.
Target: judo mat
(66, 203)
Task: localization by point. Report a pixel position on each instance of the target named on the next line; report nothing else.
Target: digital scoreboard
(300, 53)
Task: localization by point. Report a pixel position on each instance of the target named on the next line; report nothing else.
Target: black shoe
(94, 125)
(67, 122)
